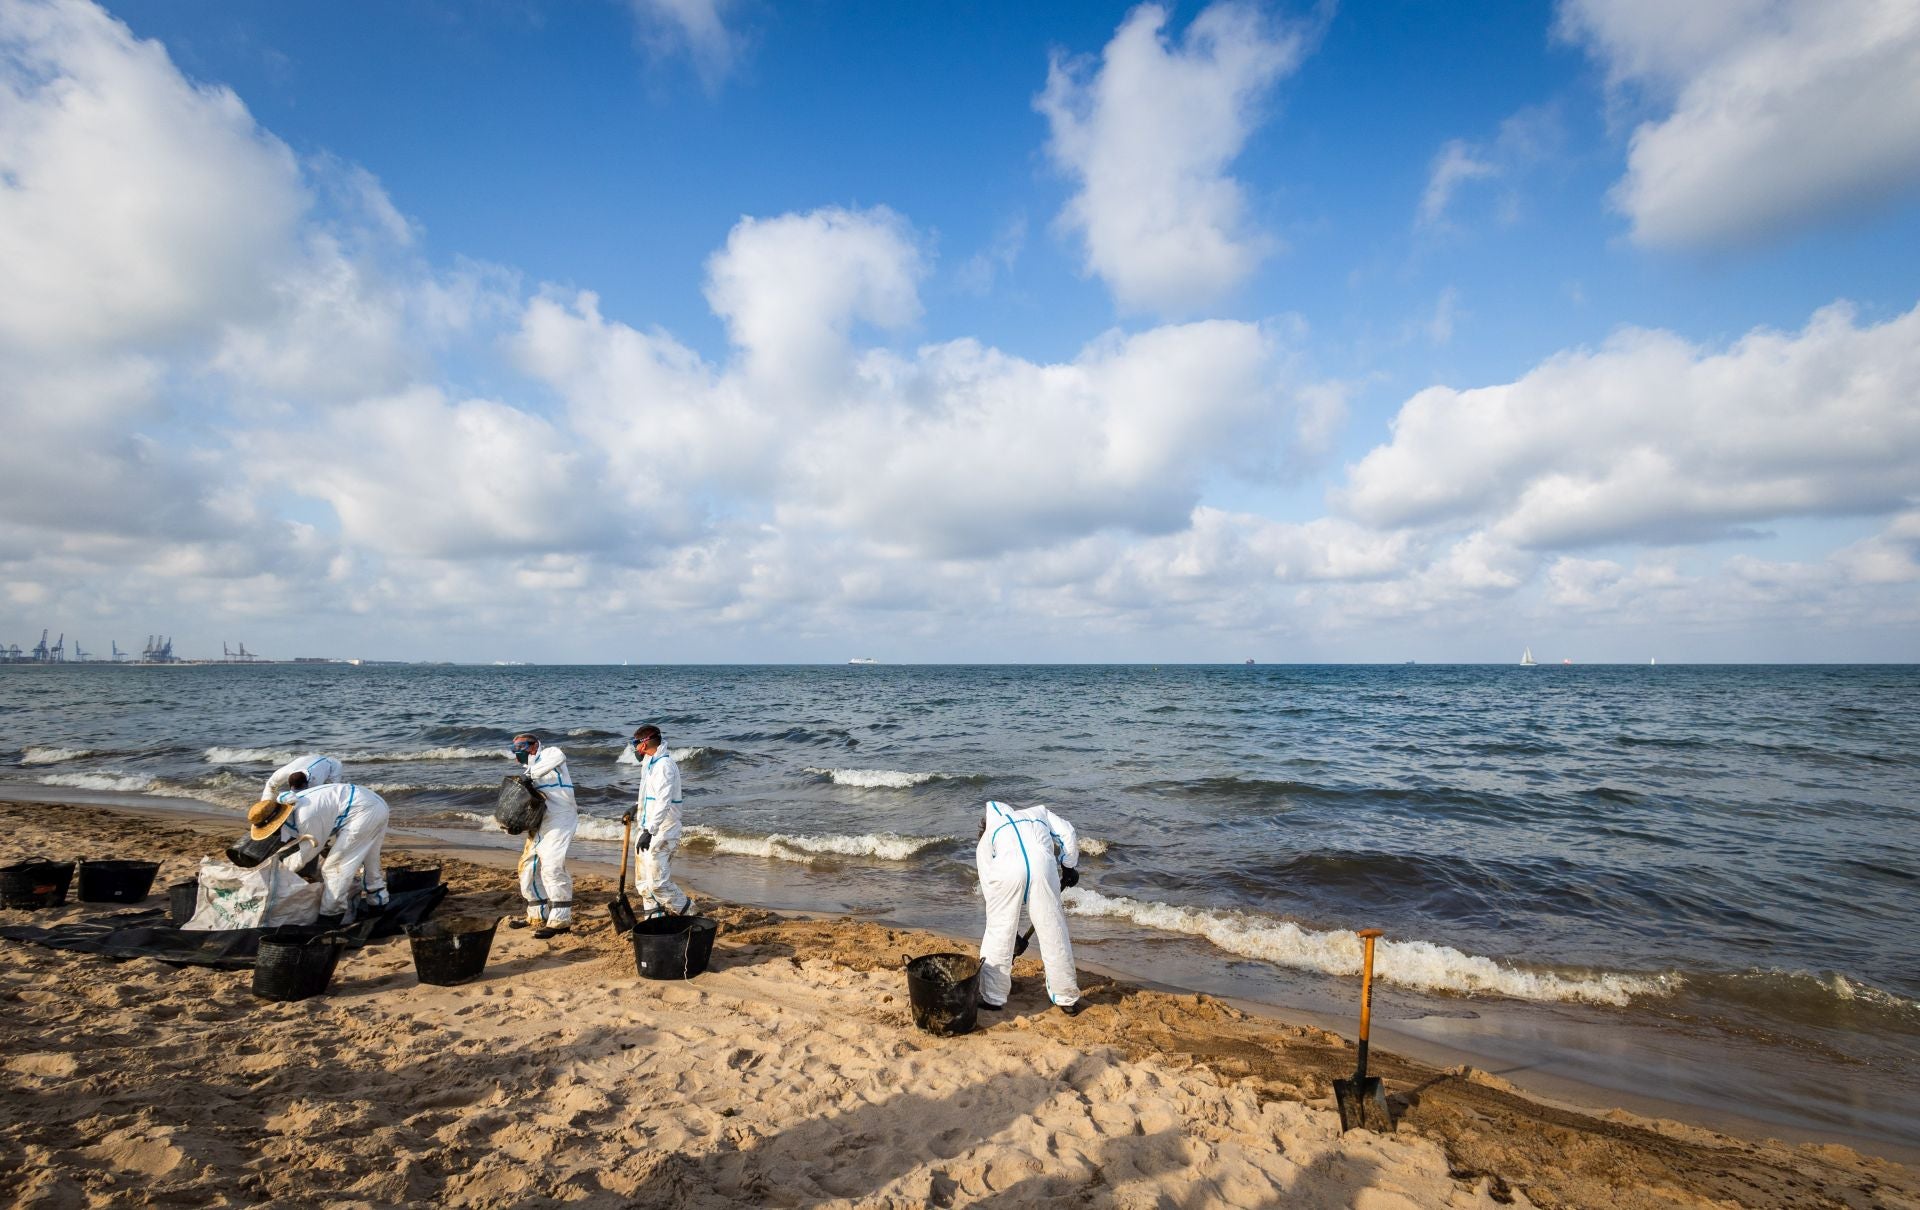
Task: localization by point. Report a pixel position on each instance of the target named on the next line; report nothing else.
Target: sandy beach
(789, 1074)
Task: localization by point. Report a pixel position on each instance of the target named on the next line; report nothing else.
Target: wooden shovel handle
(1366, 981)
(626, 845)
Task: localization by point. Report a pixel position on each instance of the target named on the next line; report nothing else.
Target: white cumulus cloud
(1655, 439)
(1149, 136)
(1774, 114)
(135, 206)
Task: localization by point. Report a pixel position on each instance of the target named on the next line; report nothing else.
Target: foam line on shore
(1422, 965)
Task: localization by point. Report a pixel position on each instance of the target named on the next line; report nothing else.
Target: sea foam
(52, 756)
(1417, 964)
(118, 783)
(276, 757)
(887, 846)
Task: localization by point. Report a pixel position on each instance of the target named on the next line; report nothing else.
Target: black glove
(1069, 877)
(646, 841)
(628, 817)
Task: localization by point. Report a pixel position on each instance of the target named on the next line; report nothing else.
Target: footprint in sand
(46, 1066)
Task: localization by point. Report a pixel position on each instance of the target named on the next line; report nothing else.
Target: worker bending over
(1025, 855)
(349, 822)
(544, 881)
(303, 773)
(658, 816)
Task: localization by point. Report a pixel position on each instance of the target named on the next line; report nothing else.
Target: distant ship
(863, 659)
(1249, 661)
(1526, 658)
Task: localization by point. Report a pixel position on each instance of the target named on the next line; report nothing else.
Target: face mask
(522, 751)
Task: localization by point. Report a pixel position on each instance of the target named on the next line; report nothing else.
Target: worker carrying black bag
(520, 807)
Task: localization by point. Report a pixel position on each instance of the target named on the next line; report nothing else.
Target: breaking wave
(222, 789)
(592, 827)
(118, 783)
(248, 756)
(52, 756)
(875, 779)
(1421, 965)
(887, 846)
(698, 757)
(270, 756)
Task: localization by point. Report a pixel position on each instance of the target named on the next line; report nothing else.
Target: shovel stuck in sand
(622, 907)
(1363, 1099)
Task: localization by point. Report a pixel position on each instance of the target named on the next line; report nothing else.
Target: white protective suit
(658, 812)
(1019, 858)
(320, 771)
(544, 881)
(355, 819)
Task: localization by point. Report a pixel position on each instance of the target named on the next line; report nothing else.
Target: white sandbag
(262, 896)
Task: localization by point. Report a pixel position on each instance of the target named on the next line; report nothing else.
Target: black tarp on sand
(148, 934)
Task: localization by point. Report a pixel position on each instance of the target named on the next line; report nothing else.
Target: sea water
(1699, 883)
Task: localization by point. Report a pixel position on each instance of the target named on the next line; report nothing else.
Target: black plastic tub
(412, 878)
(293, 965)
(944, 991)
(35, 883)
(451, 950)
(183, 899)
(116, 881)
(673, 947)
(247, 852)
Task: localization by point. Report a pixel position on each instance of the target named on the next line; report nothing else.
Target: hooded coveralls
(1019, 858)
(355, 819)
(544, 881)
(320, 771)
(659, 813)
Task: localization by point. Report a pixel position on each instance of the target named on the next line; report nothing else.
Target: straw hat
(267, 817)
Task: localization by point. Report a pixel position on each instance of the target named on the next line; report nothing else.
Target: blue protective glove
(287, 798)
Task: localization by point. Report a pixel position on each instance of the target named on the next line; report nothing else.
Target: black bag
(520, 808)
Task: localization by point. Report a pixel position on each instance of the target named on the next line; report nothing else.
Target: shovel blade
(1363, 1105)
(622, 911)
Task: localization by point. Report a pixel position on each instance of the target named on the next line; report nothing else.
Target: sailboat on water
(1526, 658)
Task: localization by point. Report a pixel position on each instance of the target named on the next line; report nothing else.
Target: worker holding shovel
(657, 815)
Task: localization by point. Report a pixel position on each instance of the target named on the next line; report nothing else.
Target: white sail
(1526, 658)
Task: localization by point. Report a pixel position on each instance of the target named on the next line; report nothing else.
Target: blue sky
(694, 331)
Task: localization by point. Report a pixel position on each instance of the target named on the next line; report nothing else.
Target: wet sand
(789, 1074)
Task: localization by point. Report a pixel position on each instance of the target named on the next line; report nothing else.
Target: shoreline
(787, 1074)
(1558, 1091)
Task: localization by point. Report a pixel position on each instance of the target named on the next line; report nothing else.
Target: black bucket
(451, 950)
(116, 881)
(293, 965)
(944, 990)
(412, 878)
(37, 883)
(183, 900)
(673, 947)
